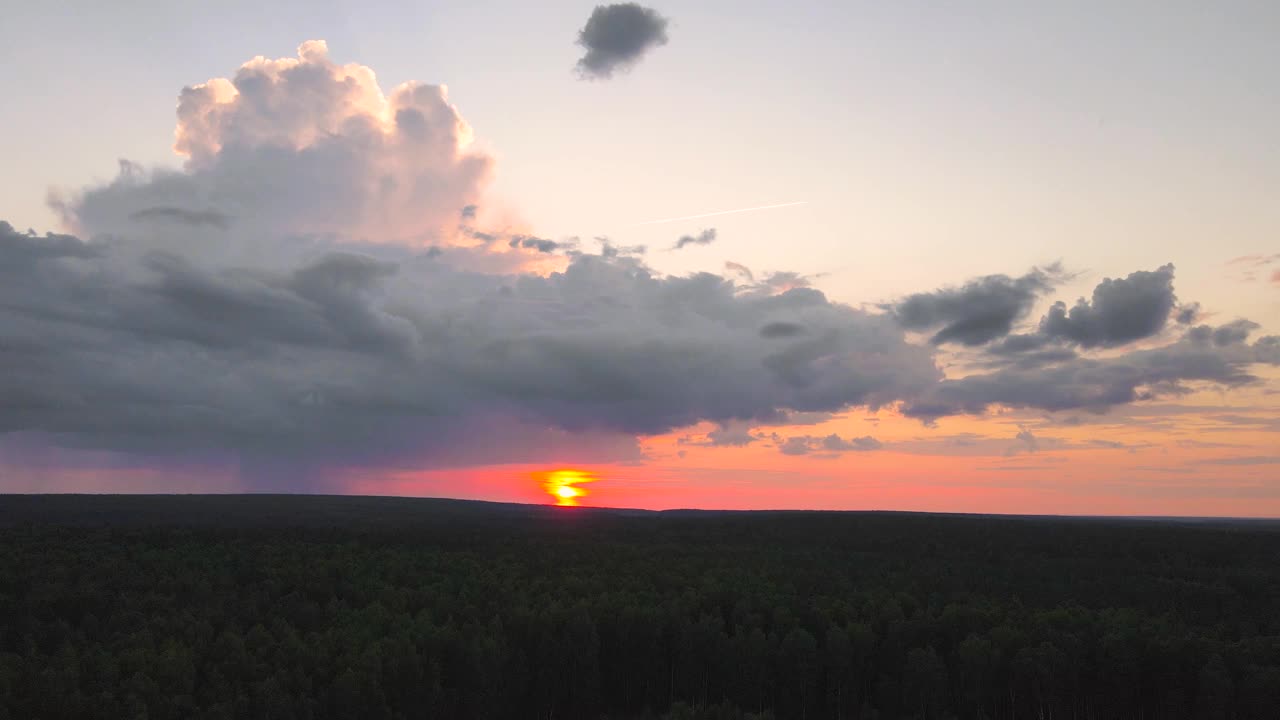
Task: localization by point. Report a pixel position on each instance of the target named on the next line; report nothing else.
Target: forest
(305, 608)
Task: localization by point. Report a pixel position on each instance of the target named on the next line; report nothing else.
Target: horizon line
(578, 508)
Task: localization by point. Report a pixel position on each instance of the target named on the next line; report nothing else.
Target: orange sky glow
(1204, 456)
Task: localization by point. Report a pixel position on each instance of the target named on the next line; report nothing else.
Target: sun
(563, 485)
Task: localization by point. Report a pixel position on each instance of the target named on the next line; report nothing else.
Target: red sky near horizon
(1219, 460)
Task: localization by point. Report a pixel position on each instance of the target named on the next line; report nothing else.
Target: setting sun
(563, 485)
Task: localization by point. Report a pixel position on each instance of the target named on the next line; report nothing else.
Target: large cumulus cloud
(298, 146)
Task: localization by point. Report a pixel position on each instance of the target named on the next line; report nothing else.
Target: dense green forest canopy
(323, 607)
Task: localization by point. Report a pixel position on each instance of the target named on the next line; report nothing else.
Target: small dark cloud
(469, 212)
(781, 330)
(617, 36)
(1188, 314)
(795, 446)
(828, 445)
(731, 435)
(706, 237)
(479, 235)
(529, 242)
(610, 251)
(1121, 311)
(1028, 439)
(194, 218)
(835, 443)
(977, 312)
(1233, 333)
(739, 269)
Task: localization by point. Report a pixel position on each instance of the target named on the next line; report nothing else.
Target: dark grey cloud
(1188, 314)
(367, 354)
(617, 36)
(469, 212)
(1121, 311)
(1234, 332)
(734, 434)
(826, 445)
(781, 330)
(1028, 440)
(210, 217)
(706, 237)
(795, 446)
(530, 242)
(977, 312)
(1087, 383)
(835, 443)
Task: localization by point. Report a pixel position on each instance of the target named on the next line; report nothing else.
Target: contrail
(721, 212)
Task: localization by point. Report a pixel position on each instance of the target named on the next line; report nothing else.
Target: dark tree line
(589, 615)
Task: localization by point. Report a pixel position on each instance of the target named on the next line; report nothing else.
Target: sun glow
(563, 485)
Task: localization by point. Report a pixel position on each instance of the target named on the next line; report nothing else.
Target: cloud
(617, 36)
(706, 237)
(542, 245)
(309, 292)
(1122, 310)
(834, 443)
(1188, 314)
(1087, 383)
(1234, 332)
(1028, 440)
(181, 215)
(731, 434)
(795, 446)
(300, 147)
(370, 354)
(829, 445)
(739, 269)
(978, 312)
(781, 330)
(1254, 260)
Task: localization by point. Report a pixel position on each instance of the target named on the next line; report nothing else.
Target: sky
(1008, 257)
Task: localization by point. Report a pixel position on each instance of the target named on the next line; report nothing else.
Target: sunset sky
(413, 249)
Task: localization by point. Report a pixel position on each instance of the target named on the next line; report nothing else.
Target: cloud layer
(617, 36)
(386, 346)
(313, 290)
